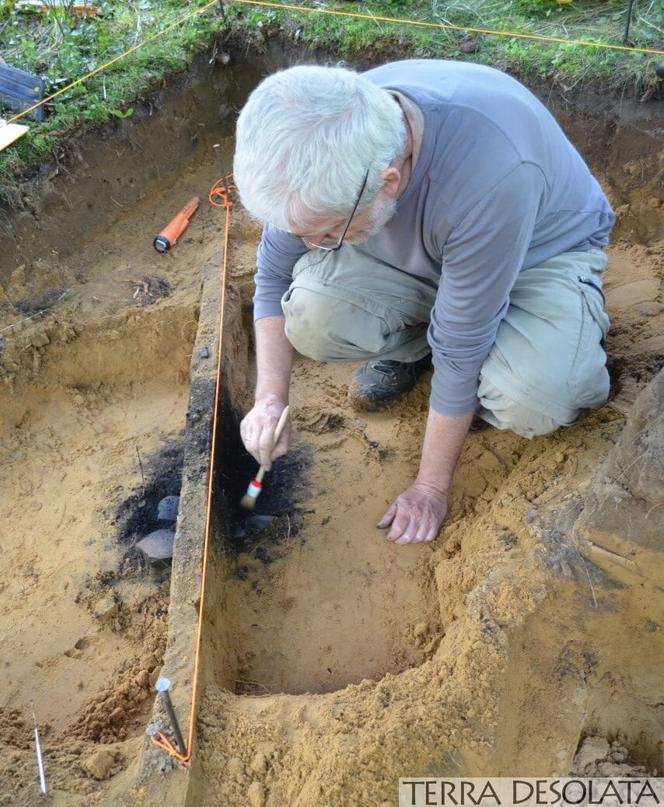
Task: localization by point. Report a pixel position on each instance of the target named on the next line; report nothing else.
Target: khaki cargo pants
(546, 366)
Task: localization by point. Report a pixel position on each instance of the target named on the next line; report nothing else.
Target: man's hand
(416, 515)
(274, 358)
(258, 427)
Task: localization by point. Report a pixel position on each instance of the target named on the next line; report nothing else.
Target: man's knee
(504, 411)
(307, 323)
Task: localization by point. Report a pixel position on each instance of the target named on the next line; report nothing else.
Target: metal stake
(162, 686)
(40, 761)
(629, 20)
(220, 168)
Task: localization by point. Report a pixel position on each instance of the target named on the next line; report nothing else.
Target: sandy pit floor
(497, 649)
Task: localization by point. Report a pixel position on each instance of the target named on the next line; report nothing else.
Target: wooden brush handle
(281, 423)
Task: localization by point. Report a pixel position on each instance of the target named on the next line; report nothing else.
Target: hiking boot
(381, 381)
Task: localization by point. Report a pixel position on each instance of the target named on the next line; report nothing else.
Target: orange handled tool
(168, 237)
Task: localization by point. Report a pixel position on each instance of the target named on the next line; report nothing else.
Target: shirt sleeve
(481, 259)
(278, 252)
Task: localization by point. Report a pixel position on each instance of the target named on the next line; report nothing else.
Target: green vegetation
(600, 21)
(62, 46)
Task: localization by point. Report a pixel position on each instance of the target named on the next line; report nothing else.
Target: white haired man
(424, 208)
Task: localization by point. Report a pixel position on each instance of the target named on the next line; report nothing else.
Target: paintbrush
(256, 485)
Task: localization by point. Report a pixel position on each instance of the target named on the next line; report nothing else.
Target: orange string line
(219, 196)
(446, 26)
(115, 59)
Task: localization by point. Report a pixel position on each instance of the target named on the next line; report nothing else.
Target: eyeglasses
(328, 245)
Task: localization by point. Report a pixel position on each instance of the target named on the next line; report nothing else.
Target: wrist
(270, 398)
(432, 485)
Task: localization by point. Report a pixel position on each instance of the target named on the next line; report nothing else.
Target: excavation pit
(331, 661)
(316, 600)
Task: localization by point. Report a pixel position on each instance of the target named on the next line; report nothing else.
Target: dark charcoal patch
(138, 514)
(642, 369)
(150, 288)
(33, 305)
(285, 489)
(252, 524)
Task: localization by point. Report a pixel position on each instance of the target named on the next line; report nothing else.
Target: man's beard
(382, 211)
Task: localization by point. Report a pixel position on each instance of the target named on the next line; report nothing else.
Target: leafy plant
(118, 113)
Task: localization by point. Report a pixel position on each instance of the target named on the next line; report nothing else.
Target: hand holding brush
(256, 484)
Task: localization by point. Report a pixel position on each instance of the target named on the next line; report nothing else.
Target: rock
(592, 751)
(256, 794)
(142, 679)
(100, 764)
(106, 609)
(40, 339)
(118, 715)
(269, 749)
(616, 527)
(158, 545)
(619, 754)
(167, 509)
(469, 46)
(16, 285)
(259, 763)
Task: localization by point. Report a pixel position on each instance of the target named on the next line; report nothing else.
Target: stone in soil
(168, 508)
(158, 545)
(100, 764)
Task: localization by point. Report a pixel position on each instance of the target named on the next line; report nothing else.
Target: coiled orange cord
(222, 193)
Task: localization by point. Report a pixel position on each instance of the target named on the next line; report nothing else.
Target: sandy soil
(501, 648)
(495, 650)
(91, 415)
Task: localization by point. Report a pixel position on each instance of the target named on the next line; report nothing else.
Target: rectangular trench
(300, 597)
(283, 613)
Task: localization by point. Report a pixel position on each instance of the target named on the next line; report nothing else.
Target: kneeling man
(424, 211)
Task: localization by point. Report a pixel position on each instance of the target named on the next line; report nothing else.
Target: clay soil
(501, 648)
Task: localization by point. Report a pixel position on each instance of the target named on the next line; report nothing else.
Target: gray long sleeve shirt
(497, 188)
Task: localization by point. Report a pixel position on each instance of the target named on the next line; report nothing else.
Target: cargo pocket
(589, 379)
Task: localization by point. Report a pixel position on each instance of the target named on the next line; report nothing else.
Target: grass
(566, 65)
(61, 47)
